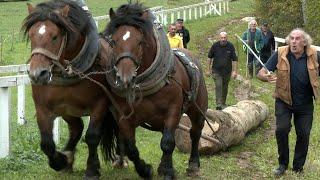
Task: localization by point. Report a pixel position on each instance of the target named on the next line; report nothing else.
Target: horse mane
(77, 19)
(131, 15)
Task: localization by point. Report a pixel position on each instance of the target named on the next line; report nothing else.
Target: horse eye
(54, 38)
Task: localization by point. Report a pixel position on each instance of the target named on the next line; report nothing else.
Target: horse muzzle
(40, 76)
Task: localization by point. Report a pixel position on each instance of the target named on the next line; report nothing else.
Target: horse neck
(74, 45)
(149, 53)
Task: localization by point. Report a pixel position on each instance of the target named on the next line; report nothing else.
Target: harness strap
(127, 55)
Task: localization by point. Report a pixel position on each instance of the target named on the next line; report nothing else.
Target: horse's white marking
(85, 8)
(126, 36)
(42, 29)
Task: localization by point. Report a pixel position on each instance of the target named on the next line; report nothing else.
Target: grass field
(254, 158)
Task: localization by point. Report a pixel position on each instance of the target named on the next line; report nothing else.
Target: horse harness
(160, 71)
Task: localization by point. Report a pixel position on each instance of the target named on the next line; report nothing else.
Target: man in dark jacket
(182, 32)
(222, 63)
(268, 43)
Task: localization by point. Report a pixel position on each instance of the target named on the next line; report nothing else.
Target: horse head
(54, 37)
(130, 32)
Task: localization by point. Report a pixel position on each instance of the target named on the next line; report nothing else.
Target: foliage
(313, 19)
(283, 16)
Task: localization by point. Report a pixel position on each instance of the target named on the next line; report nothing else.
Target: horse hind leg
(167, 146)
(197, 121)
(75, 126)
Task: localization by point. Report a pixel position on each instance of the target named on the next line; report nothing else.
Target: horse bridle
(55, 57)
(128, 55)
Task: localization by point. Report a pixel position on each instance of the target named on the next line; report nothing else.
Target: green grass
(254, 158)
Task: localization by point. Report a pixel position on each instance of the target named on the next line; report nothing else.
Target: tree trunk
(229, 126)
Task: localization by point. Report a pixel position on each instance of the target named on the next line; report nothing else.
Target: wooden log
(230, 126)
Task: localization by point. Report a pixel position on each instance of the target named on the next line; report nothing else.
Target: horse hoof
(147, 172)
(118, 163)
(193, 171)
(59, 162)
(168, 177)
(91, 177)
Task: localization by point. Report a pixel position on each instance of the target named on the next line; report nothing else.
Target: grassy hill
(254, 158)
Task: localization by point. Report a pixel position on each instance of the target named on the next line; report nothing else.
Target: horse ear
(145, 14)
(30, 8)
(112, 14)
(65, 11)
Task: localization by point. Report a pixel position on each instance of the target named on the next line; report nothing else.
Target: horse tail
(109, 137)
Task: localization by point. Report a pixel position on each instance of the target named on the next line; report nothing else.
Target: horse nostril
(43, 73)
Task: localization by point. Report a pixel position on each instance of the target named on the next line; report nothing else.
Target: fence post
(21, 105)
(227, 6)
(55, 130)
(4, 121)
(1, 48)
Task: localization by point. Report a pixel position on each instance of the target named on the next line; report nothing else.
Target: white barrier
(190, 12)
(6, 82)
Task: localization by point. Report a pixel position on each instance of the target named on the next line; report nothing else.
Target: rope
(219, 140)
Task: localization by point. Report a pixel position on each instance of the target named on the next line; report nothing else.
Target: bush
(283, 16)
(313, 19)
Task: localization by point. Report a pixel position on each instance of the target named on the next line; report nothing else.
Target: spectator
(268, 43)
(222, 63)
(253, 37)
(297, 66)
(183, 32)
(175, 41)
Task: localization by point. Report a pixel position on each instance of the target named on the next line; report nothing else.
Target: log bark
(230, 127)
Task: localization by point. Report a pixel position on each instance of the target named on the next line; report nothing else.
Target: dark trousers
(302, 118)
(253, 63)
(264, 58)
(221, 88)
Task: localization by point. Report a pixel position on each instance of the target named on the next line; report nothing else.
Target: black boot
(280, 170)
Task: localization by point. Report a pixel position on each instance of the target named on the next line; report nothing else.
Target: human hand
(234, 74)
(208, 73)
(271, 77)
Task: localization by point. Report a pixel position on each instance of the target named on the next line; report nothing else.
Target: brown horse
(66, 51)
(153, 87)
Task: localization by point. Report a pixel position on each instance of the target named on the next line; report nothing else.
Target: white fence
(191, 12)
(19, 80)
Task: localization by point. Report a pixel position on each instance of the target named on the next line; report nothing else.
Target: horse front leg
(75, 125)
(92, 138)
(127, 137)
(57, 160)
(167, 146)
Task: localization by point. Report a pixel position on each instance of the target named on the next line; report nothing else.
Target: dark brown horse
(66, 51)
(153, 87)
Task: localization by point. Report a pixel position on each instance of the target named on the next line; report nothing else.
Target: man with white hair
(253, 37)
(297, 66)
(222, 63)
